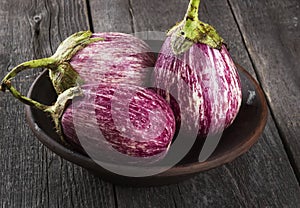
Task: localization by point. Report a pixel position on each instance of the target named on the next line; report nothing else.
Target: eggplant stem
(191, 30)
(193, 9)
(25, 99)
(65, 51)
(38, 63)
(60, 70)
(56, 111)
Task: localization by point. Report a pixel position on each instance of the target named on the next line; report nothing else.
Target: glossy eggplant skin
(132, 120)
(205, 83)
(118, 58)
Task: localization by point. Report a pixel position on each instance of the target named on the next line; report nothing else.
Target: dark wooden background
(263, 36)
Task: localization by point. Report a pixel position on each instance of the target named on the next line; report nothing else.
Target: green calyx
(56, 111)
(62, 75)
(65, 79)
(70, 46)
(191, 30)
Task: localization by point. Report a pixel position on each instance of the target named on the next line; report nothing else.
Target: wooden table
(263, 36)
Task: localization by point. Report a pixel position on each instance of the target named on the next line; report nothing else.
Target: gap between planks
(89, 15)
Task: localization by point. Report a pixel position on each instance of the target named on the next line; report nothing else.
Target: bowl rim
(189, 168)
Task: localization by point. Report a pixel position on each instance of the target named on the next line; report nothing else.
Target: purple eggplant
(85, 57)
(119, 58)
(106, 118)
(129, 119)
(195, 67)
(142, 127)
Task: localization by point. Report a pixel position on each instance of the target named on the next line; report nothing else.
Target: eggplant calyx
(56, 111)
(70, 46)
(64, 76)
(58, 64)
(191, 30)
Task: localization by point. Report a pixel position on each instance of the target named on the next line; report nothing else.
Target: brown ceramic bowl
(236, 139)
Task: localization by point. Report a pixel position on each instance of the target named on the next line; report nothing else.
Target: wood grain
(271, 33)
(111, 16)
(31, 175)
(260, 34)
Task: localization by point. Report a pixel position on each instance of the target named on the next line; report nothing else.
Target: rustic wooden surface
(263, 36)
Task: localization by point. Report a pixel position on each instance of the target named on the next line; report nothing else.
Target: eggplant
(195, 67)
(102, 119)
(132, 120)
(119, 58)
(120, 62)
(87, 57)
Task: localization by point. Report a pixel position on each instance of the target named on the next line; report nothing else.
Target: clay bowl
(236, 140)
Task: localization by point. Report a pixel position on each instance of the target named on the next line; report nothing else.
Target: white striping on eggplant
(214, 95)
(119, 58)
(103, 120)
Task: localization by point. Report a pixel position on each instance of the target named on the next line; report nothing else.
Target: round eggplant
(131, 120)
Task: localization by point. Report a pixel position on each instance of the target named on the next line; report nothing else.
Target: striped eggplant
(106, 118)
(119, 58)
(195, 67)
(112, 59)
(85, 57)
(131, 120)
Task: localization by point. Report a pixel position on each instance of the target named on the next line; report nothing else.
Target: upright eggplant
(195, 67)
(85, 57)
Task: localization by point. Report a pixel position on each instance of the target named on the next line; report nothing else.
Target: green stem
(25, 99)
(62, 74)
(64, 78)
(39, 63)
(191, 30)
(193, 9)
(56, 111)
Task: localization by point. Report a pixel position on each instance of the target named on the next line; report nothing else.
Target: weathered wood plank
(31, 175)
(157, 15)
(271, 32)
(36, 177)
(262, 177)
(111, 16)
(257, 179)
